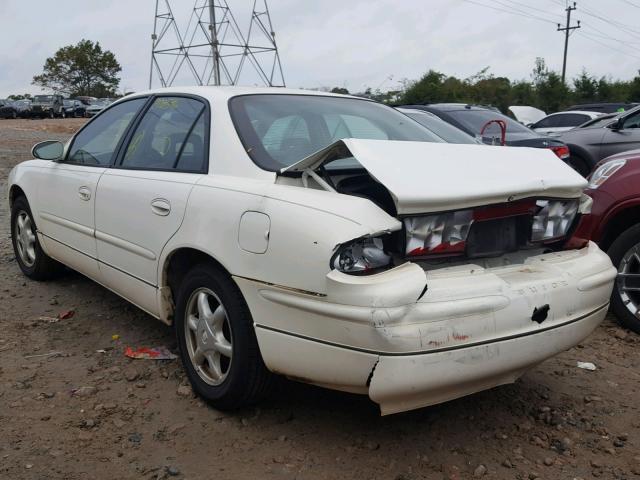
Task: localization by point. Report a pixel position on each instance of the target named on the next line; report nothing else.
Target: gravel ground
(72, 406)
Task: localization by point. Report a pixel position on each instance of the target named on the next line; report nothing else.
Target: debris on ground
(156, 353)
(66, 314)
(587, 366)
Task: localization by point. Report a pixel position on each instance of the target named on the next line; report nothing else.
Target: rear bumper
(411, 338)
(402, 383)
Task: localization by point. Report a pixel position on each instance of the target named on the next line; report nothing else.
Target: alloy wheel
(628, 281)
(25, 238)
(208, 336)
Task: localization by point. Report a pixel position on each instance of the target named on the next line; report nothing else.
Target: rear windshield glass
(474, 120)
(279, 130)
(441, 128)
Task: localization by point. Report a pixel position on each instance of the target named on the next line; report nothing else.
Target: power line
(534, 8)
(510, 12)
(628, 28)
(523, 12)
(607, 45)
(631, 3)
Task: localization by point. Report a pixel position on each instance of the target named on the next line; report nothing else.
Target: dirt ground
(72, 406)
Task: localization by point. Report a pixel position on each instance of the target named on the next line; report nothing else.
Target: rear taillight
(446, 234)
(562, 152)
(553, 219)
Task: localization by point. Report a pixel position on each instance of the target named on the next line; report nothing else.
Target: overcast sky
(350, 43)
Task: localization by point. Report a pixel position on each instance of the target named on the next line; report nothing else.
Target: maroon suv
(614, 224)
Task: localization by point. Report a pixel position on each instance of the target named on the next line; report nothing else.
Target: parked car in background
(557, 123)
(47, 106)
(95, 107)
(482, 124)
(589, 145)
(8, 109)
(327, 238)
(614, 223)
(23, 107)
(603, 107)
(74, 108)
(444, 130)
(526, 114)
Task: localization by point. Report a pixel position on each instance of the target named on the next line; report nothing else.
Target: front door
(142, 200)
(67, 189)
(626, 138)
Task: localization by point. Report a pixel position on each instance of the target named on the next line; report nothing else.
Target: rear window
(278, 130)
(474, 120)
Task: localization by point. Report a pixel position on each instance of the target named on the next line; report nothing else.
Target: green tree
(26, 96)
(81, 69)
(551, 93)
(341, 90)
(426, 90)
(585, 88)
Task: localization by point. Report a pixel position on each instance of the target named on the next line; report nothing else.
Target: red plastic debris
(156, 353)
(66, 314)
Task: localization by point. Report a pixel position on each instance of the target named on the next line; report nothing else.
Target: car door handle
(84, 193)
(160, 206)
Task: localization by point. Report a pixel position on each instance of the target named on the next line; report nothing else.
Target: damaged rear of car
(424, 271)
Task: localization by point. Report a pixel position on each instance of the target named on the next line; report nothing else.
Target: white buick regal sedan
(326, 238)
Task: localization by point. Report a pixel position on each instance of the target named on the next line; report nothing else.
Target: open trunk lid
(425, 177)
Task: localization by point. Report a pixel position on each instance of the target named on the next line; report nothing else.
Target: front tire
(625, 298)
(31, 259)
(217, 341)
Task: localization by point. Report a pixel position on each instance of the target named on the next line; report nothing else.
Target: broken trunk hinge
(308, 172)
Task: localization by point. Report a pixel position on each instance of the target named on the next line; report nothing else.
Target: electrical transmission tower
(213, 49)
(567, 30)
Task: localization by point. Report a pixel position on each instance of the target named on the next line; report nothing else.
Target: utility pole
(567, 30)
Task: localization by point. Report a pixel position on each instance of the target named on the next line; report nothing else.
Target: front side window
(279, 130)
(170, 136)
(97, 142)
(632, 121)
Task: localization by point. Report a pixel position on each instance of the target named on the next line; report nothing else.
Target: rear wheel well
(14, 193)
(179, 263)
(618, 224)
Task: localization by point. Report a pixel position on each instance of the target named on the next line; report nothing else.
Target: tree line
(544, 90)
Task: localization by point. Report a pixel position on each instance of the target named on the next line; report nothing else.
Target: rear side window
(97, 142)
(170, 136)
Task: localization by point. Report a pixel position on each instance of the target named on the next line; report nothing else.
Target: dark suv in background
(480, 122)
(602, 138)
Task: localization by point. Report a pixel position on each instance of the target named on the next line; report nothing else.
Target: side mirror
(48, 150)
(617, 125)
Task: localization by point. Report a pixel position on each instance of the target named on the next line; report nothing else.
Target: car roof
(582, 112)
(222, 93)
(419, 111)
(457, 106)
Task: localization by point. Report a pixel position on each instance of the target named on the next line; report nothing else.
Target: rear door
(67, 189)
(142, 200)
(627, 138)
